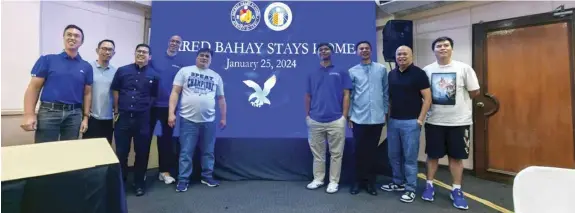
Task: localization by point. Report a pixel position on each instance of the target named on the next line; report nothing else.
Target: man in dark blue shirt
(410, 99)
(327, 107)
(65, 80)
(135, 86)
(167, 66)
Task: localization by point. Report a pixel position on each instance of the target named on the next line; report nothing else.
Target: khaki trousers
(334, 133)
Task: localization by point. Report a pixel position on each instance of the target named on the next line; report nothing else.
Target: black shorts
(452, 141)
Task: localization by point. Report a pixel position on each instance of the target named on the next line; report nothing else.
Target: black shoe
(354, 189)
(140, 191)
(370, 188)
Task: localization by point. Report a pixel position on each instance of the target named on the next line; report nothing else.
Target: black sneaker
(392, 187)
(407, 197)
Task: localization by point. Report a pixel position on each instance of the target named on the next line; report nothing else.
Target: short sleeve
(89, 79)
(471, 81)
(220, 87)
(117, 81)
(422, 80)
(308, 84)
(41, 67)
(346, 80)
(179, 80)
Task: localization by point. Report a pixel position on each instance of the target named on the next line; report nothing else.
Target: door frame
(479, 38)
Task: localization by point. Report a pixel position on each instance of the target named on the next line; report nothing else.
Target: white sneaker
(332, 188)
(314, 185)
(167, 179)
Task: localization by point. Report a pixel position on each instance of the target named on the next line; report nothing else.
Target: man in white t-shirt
(200, 87)
(447, 129)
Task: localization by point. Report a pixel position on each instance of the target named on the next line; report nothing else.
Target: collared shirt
(167, 67)
(405, 92)
(102, 99)
(137, 87)
(369, 96)
(64, 78)
(325, 87)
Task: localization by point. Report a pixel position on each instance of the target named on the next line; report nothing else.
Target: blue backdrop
(264, 51)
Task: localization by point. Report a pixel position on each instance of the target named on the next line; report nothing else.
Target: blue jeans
(403, 150)
(57, 123)
(192, 134)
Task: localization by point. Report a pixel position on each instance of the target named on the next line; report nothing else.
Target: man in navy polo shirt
(65, 80)
(410, 99)
(327, 105)
(135, 86)
(167, 65)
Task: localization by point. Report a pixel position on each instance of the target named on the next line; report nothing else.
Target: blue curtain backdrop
(269, 46)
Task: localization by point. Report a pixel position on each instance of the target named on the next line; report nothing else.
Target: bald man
(167, 65)
(410, 99)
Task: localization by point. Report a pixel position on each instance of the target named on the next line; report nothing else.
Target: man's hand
(84, 125)
(29, 123)
(223, 124)
(419, 122)
(172, 120)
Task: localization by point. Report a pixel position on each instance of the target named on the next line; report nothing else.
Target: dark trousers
(133, 126)
(366, 141)
(166, 146)
(100, 129)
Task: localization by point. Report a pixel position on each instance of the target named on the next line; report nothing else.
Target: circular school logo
(245, 15)
(278, 16)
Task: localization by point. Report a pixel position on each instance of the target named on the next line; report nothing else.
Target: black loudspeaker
(396, 33)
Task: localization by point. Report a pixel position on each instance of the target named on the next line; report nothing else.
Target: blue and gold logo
(278, 16)
(245, 15)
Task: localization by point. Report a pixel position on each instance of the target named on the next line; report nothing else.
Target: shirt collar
(144, 68)
(65, 55)
(100, 66)
(406, 69)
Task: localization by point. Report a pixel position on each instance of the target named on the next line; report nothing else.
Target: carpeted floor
(293, 197)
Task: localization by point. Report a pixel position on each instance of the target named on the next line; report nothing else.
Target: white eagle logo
(259, 94)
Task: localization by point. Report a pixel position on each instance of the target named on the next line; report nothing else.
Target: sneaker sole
(392, 190)
(426, 199)
(458, 207)
(406, 201)
(207, 184)
(177, 190)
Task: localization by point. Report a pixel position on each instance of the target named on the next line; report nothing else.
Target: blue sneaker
(428, 193)
(458, 199)
(210, 182)
(182, 187)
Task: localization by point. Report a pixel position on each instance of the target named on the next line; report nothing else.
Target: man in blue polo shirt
(135, 86)
(369, 104)
(65, 80)
(410, 99)
(327, 105)
(101, 117)
(167, 65)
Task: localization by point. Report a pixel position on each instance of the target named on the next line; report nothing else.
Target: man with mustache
(199, 87)
(369, 104)
(410, 98)
(135, 86)
(447, 129)
(327, 105)
(65, 80)
(101, 116)
(167, 65)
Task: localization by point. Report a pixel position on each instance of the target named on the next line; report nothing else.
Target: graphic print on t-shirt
(201, 84)
(443, 88)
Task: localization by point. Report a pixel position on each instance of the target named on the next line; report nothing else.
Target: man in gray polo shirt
(200, 87)
(100, 123)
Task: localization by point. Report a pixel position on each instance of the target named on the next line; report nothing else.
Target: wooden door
(524, 116)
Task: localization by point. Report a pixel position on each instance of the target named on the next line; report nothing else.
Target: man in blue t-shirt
(65, 80)
(167, 65)
(199, 87)
(327, 106)
(135, 86)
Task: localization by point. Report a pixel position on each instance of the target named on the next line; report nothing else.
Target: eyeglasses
(143, 52)
(105, 49)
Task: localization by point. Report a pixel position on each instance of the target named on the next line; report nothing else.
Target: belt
(61, 106)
